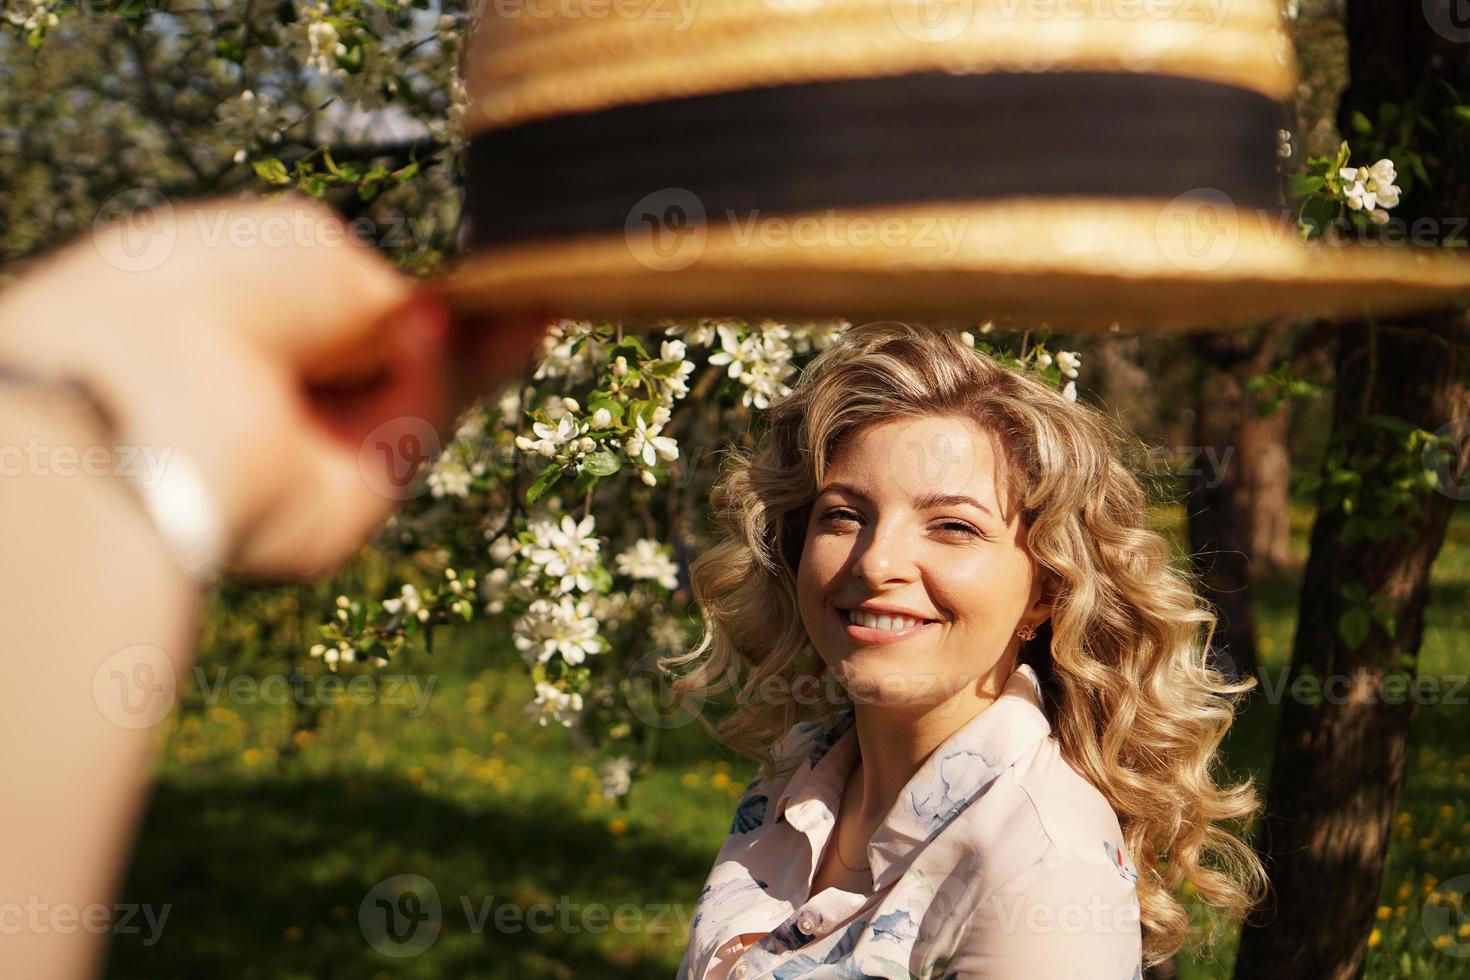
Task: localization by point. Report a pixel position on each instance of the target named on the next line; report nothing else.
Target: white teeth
(862, 618)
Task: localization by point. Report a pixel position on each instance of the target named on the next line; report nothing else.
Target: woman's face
(912, 516)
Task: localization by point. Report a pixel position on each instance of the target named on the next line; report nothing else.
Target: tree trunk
(1339, 767)
(1237, 502)
(1219, 519)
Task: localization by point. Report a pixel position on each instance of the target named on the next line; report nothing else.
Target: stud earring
(1026, 633)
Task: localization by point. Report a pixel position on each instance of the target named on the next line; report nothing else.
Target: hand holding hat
(268, 366)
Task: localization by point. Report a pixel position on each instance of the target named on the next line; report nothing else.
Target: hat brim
(1189, 264)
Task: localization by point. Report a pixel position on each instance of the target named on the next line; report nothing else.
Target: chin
(869, 677)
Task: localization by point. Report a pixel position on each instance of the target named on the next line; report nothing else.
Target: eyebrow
(922, 502)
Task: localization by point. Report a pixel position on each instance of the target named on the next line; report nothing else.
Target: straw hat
(1082, 162)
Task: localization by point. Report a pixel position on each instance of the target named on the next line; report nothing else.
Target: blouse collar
(949, 779)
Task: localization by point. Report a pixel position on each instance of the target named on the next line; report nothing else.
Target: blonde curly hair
(1133, 700)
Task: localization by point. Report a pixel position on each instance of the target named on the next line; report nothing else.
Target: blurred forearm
(97, 617)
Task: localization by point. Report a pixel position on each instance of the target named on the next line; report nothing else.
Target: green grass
(271, 823)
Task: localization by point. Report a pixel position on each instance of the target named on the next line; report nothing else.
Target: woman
(976, 685)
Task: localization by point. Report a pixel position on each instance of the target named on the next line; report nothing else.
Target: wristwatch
(179, 503)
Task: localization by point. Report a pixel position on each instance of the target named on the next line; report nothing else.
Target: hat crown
(530, 59)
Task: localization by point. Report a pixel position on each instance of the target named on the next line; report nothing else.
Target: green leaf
(272, 171)
(230, 50)
(1360, 123)
(1353, 627)
(1303, 184)
(1386, 621)
(602, 463)
(544, 482)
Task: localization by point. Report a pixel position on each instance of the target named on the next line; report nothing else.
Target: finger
(410, 379)
(287, 273)
(486, 353)
(344, 486)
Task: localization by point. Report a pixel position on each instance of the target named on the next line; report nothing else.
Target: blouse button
(804, 924)
(741, 969)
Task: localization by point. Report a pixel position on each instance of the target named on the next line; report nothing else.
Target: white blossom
(554, 704)
(760, 360)
(450, 477)
(247, 120)
(1371, 189)
(31, 15)
(1069, 361)
(567, 552)
(617, 777)
(409, 602)
(557, 359)
(647, 560)
(561, 626)
(1069, 392)
(647, 445)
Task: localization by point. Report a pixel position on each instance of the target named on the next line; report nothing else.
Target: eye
(842, 514)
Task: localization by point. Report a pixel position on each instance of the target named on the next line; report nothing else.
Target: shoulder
(1060, 899)
(1074, 814)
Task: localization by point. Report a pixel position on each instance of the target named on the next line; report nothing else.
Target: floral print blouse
(999, 861)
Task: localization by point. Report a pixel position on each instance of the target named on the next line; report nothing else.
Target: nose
(883, 556)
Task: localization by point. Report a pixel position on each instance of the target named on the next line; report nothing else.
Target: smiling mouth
(883, 623)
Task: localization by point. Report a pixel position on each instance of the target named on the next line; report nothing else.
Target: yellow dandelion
(500, 738)
(502, 784)
(1446, 811)
(1384, 911)
(719, 780)
(617, 825)
(594, 799)
(1374, 938)
(303, 738)
(415, 774)
(1442, 941)
(690, 780)
(1464, 929)
(293, 934)
(251, 757)
(1405, 890)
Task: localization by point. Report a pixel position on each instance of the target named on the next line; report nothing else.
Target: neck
(894, 740)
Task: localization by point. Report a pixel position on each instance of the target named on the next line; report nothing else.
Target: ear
(1043, 598)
